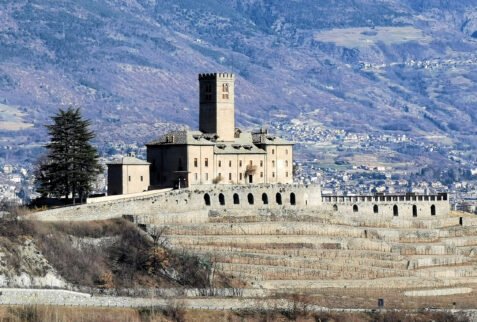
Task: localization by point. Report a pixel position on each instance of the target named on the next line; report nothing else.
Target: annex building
(218, 153)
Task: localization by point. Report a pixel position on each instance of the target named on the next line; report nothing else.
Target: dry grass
(132, 260)
(52, 313)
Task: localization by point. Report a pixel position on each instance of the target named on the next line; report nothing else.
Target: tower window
(129, 178)
(195, 162)
(273, 174)
(206, 176)
(220, 163)
(286, 151)
(240, 176)
(230, 163)
(273, 151)
(142, 178)
(196, 177)
(206, 162)
(273, 163)
(286, 163)
(240, 163)
(261, 163)
(225, 88)
(261, 174)
(286, 174)
(230, 176)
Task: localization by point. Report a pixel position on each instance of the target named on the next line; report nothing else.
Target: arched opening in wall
(395, 210)
(264, 198)
(207, 199)
(433, 210)
(278, 198)
(292, 199)
(355, 208)
(222, 199)
(250, 198)
(236, 199)
(335, 208)
(375, 209)
(414, 211)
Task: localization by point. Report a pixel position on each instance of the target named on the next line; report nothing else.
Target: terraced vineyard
(286, 250)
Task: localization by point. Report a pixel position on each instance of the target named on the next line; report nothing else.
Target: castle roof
(183, 138)
(128, 161)
(244, 143)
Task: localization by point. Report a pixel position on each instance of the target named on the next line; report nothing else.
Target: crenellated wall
(390, 205)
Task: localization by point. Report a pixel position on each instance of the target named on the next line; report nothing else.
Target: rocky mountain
(392, 66)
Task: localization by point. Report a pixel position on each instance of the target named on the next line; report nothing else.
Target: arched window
(433, 210)
(375, 209)
(395, 210)
(207, 199)
(264, 198)
(335, 207)
(292, 199)
(355, 208)
(236, 199)
(278, 198)
(414, 211)
(250, 198)
(222, 199)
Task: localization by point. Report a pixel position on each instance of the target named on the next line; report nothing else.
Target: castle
(217, 153)
(252, 170)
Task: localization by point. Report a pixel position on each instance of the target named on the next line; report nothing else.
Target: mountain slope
(388, 67)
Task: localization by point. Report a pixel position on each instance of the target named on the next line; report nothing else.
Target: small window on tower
(230, 163)
(206, 162)
(195, 162)
(261, 163)
(225, 91)
(273, 151)
(240, 163)
(220, 163)
(230, 176)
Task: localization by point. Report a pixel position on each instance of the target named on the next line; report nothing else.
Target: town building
(218, 153)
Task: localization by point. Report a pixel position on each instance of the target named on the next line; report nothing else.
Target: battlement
(214, 76)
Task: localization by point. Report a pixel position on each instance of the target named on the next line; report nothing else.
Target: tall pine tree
(72, 164)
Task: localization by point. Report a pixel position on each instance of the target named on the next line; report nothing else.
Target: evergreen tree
(72, 162)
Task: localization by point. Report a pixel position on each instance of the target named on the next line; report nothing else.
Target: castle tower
(217, 108)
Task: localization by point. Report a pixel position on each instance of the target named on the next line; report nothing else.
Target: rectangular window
(240, 163)
(273, 174)
(273, 163)
(286, 174)
(273, 151)
(261, 163)
(230, 163)
(129, 178)
(240, 176)
(261, 174)
(230, 176)
(220, 163)
(286, 163)
(206, 162)
(286, 151)
(195, 162)
(141, 178)
(220, 175)
(196, 177)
